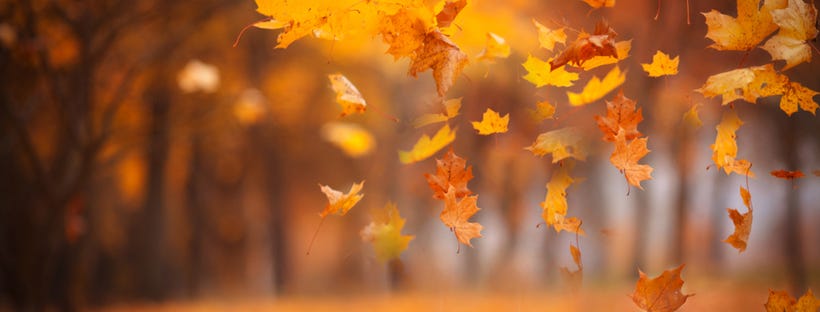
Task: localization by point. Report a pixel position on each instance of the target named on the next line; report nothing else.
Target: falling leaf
(384, 233)
(347, 95)
(752, 25)
(540, 74)
(597, 88)
(449, 12)
(622, 49)
(626, 157)
(596, 4)
(798, 95)
(450, 172)
(456, 215)
(451, 108)
(443, 57)
(787, 175)
(562, 143)
(270, 24)
(554, 206)
(574, 278)
(406, 30)
(660, 294)
(620, 114)
(547, 38)
(797, 25)
(742, 222)
(725, 147)
(780, 301)
(543, 111)
(354, 140)
(496, 48)
(692, 118)
(426, 146)
(586, 46)
(340, 203)
(491, 122)
(662, 65)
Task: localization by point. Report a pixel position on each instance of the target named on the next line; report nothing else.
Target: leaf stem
(314, 236)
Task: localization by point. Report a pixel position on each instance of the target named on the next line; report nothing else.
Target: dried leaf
(426, 146)
(660, 294)
(626, 157)
(574, 278)
(554, 206)
(752, 25)
(586, 46)
(597, 88)
(384, 233)
(781, 301)
(347, 95)
(562, 143)
(620, 114)
(543, 111)
(662, 65)
(443, 57)
(451, 108)
(797, 26)
(450, 172)
(491, 122)
(340, 203)
(547, 38)
(496, 48)
(787, 175)
(724, 150)
(449, 12)
(692, 118)
(456, 215)
(622, 49)
(540, 74)
(742, 222)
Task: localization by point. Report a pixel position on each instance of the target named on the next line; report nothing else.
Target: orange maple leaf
(742, 222)
(620, 114)
(456, 215)
(780, 301)
(449, 12)
(586, 46)
(660, 294)
(626, 156)
(554, 207)
(787, 175)
(450, 172)
(442, 56)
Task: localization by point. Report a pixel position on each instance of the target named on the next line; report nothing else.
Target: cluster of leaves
(420, 32)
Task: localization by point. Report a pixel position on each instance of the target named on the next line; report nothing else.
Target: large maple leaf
(442, 56)
(620, 114)
(451, 171)
(752, 25)
(626, 157)
(660, 294)
(456, 215)
(797, 25)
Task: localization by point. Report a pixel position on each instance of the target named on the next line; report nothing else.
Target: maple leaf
(354, 140)
(626, 157)
(456, 215)
(692, 118)
(620, 114)
(449, 12)
(622, 49)
(798, 95)
(662, 65)
(787, 175)
(781, 301)
(491, 122)
(574, 278)
(724, 150)
(406, 30)
(384, 232)
(587, 46)
(554, 206)
(426, 146)
(797, 25)
(450, 172)
(752, 25)
(443, 57)
(540, 74)
(347, 95)
(596, 4)
(451, 108)
(543, 111)
(742, 222)
(496, 47)
(597, 88)
(562, 143)
(338, 202)
(547, 38)
(660, 294)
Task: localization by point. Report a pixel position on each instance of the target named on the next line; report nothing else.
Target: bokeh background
(146, 163)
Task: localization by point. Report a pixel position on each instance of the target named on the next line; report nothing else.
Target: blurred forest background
(145, 159)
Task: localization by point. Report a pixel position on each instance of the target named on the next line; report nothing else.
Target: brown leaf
(586, 46)
(443, 57)
(787, 175)
(660, 294)
(450, 171)
(743, 223)
(620, 113)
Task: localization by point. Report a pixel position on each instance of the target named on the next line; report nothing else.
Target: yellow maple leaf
(384, 233)
(496, 47)
(562, 143)
(597, 88)
(405, 31)
(724, 150)
(554, 206)
(340, 203)
(451, 108)
(661, 65)
(491, 122)
(692, 118)
(742, 222)
(752, 25)
(543, 111)
(547, 38)
(798, 95)
(347, 95)
(797, 25)
(426, 146)
(539, 74)
(354, 140)
(622, 49)
(443, 57)
(596, 4)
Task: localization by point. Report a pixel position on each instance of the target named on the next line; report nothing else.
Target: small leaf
(347, 95)
(742, 222)
(787, 175)
(492, 122)
(621, 113)
(443, 57)
(426, 146)
(547, 38)
(586, 46)
(340, 203)
(496, 48)
(626, 157)
(724, 150)
(662, 65)
(384, 233)
(543, 111)
(451, 108)
(562, 143)
(540, 74)
(597, 88)
(660, 294)
(450, 172)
